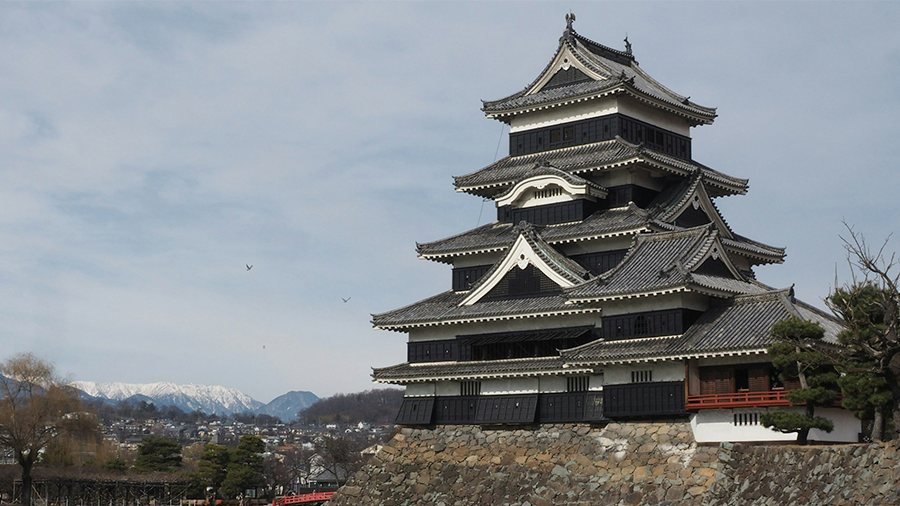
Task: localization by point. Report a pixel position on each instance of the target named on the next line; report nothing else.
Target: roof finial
(569, 34)
(627, 44)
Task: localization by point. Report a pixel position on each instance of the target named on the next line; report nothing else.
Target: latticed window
(470, 388)
(741, 419)
(642, 376)
(578, 383)
(641, 328)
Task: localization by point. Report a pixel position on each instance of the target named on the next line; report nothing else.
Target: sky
(150, 151)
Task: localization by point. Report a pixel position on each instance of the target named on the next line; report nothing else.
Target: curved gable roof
(609, 71)
(666, 262)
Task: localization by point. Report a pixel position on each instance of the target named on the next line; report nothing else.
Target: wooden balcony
(737, 400)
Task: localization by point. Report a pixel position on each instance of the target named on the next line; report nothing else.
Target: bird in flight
(249, 266)
(345, 300)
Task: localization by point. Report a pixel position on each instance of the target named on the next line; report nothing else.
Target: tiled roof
(498, 236)
(622, 73)
(662, 262)
(754, 248)
(511, 169)
(511, 368)
(495, 178)
(445, 309)
(740, 325)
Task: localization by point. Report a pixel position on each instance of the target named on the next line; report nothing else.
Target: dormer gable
(692, 207)
(549, 185)
(692, 260)
(539, 268)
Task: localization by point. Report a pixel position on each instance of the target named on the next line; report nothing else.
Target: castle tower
(609, 287)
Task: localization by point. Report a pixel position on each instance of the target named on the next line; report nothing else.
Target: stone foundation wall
(840, 475)
(634, 463)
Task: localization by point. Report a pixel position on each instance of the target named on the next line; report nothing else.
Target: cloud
(148, 151)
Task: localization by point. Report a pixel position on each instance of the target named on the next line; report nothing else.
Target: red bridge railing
(302, 498)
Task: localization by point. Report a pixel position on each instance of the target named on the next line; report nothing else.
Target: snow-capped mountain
(206, 398)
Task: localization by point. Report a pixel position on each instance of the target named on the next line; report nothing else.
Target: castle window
(578, 383)
(640, 326)
(547, 193)
(470, 388)
(642, 376)
(741, 419)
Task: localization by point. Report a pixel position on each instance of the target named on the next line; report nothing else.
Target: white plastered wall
(717, 425)
(419, 390)
(630, 107)
(558, 115)
(510, 386)
(600, 107)
(662, 371)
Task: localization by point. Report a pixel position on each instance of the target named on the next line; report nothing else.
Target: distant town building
(609, 287)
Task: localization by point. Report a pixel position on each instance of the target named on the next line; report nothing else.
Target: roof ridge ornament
(627, 44)
(569, 33)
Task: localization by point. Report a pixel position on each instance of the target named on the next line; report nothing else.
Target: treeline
(143, 410)
(377, 406)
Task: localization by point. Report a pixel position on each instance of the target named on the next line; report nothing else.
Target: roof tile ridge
(701, 246)
(554, 259)
(779, 294)
(688, 188)
(738, 238)
(712, 202)
(592, 61)
(682, 99)
(824, 314)
(588, 42)
(713, 172)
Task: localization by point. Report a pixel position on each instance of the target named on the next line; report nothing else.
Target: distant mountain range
(209, 399)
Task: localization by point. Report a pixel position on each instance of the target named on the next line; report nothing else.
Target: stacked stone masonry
(628, 464)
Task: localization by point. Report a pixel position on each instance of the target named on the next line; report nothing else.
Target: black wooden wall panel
(465, 277)
(598, 263)
(432, 351)
(643, 399)
(515, 409)
(549, 214)
(455, 410)
(416, 411)
(600, 129)
(648, 324)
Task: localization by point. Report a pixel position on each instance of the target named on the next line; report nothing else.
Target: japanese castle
(609, 287)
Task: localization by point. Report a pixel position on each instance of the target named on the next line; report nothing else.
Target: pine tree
(798, 356)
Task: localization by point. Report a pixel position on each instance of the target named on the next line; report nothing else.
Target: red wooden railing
(737, 400)
(302, 498)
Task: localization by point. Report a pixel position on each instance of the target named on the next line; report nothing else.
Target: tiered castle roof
(635, 195)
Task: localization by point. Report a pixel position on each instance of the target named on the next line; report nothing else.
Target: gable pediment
(696, 208)
(542, 270)
(565, 65)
